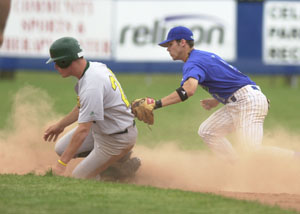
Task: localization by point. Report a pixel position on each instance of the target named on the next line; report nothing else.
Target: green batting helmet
(64, 51)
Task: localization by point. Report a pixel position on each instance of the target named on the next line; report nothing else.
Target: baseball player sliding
(245, 106)
(106, 132)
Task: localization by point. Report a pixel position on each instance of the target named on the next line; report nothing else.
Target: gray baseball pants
(101, 148)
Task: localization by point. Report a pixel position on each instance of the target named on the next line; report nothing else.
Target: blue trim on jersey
(215, 75)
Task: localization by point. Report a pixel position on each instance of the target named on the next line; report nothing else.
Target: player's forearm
(69, 118)
(73, 147)
(80, 134)
(173, 98)
(182, 93)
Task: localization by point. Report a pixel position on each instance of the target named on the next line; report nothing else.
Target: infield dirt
(266, 177)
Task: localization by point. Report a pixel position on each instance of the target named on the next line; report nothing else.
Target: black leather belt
(125, 131)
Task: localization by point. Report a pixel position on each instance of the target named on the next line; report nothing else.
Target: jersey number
(114, 84)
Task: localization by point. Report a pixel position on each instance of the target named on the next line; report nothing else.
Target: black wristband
(158, 104)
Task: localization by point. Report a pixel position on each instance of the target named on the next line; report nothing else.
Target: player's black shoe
(129, 167)
(124, 169)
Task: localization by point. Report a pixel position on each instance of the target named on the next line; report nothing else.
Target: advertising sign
(33, 26)
(281, 37)
(141, 25)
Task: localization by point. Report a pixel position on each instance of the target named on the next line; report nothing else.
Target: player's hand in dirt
(209, 103)
(52, 132)
(59, 169)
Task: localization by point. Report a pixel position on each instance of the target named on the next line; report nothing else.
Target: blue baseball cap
(177, 33)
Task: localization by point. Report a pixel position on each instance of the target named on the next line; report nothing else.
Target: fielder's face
(175, 50)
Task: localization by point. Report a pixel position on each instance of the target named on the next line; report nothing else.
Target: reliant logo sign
(142, 35)
(147, 24)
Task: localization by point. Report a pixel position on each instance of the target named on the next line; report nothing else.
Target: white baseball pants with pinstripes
(245, 116)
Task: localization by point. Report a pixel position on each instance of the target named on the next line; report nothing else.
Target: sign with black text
(34, 24)
(141, 25)
(281, 36)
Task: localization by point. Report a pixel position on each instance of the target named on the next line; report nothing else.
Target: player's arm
(70, 118)
(181, 94)
(53, 131)
(78, 137)
(143, 108)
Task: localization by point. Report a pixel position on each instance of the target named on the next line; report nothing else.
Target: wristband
(158, 104)
(182, 93)
(62, 163)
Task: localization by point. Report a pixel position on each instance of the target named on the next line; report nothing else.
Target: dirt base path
(260, 177)
(283, 200)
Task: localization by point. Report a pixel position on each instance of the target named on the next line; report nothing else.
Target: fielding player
(244, 105)
(4, 11)
(106, 131)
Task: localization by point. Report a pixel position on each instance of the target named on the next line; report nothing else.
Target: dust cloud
(23, 150)
(169, 167)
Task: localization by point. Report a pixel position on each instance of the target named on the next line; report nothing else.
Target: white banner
(141, 25)
(34, 24)
(281, 37)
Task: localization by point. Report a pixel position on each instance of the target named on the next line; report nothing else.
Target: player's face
(64, 72)
(175, 50)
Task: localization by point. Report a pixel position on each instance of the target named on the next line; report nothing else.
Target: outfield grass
(52, 194)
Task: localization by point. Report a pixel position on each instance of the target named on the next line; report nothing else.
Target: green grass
(52, 194)
(285, 103)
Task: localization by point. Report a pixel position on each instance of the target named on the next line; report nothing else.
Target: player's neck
(79, 67)
(187, 55)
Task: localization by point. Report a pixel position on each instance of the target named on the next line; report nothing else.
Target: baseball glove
(143, 109)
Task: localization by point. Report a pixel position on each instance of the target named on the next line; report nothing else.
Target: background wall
(259, 37)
